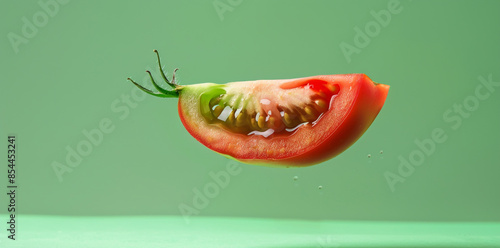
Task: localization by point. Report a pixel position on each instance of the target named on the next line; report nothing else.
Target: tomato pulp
(350, 103)
(294, 122)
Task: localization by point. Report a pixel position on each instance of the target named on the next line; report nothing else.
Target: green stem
(165, 94)
(173, 84)
(162, 92)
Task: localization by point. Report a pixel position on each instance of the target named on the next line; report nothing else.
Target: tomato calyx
(161, 91)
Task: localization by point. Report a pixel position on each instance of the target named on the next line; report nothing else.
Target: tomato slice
(295, 122)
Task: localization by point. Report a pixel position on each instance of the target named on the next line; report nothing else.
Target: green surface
(161, 231)
(69, 80)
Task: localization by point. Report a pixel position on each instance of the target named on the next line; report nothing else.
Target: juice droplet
(381, 151)
(320, 187)
(295, 178)
(369, 155)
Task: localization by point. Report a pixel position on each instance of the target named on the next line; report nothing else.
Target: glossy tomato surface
(294, 122)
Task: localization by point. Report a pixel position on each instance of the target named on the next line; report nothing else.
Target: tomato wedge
(293, 122)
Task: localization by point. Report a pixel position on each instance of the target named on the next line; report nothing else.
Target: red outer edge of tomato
(367, 102)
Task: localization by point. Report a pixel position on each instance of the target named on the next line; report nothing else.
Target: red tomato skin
(368, 102)
(365, 98)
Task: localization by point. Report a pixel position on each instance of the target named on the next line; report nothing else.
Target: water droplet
(225, 113)
(369, 155)
(320, 187)
(265, 101)
(381, 151)
(265, 133)
(295, 178)
(238, 111)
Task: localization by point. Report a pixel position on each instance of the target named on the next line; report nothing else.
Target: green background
(72, 74)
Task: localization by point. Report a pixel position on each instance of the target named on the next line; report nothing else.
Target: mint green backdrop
(66, 76)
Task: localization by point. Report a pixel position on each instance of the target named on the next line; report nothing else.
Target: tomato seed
(262, 122)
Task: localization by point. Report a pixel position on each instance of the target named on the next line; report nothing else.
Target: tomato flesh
(296, 122)
(272, 114)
